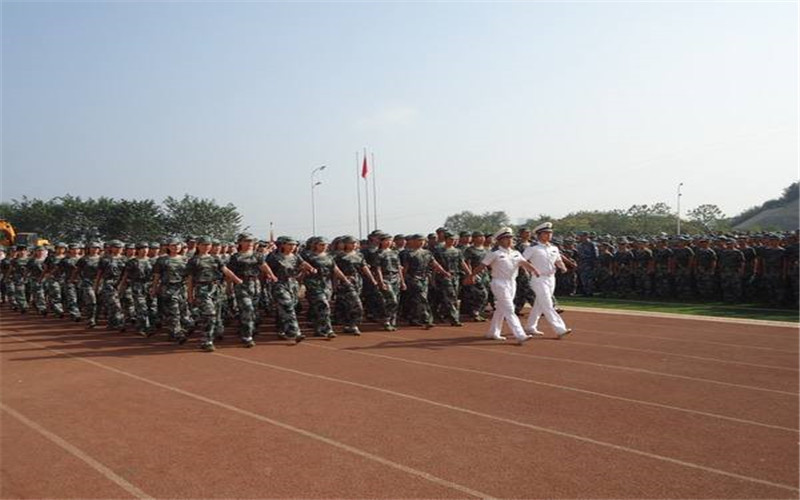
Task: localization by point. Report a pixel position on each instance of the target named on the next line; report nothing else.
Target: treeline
(71, 218)
(636, 220)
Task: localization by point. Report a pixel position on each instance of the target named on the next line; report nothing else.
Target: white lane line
(634, 370)
(546, 430)
(692, 340)
(557, 386)
(337, 444)
(91, 462)
(687, 356)
(606, 366)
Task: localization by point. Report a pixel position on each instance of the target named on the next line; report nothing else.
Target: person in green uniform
(204, 276)
(109, 272)
(451, 260)
(417, 267)
(348, 293)
(136, 279)
(85, 275)
(168, 285)
(319, 286)
(286, 266)
(36, 273)
(474, 293)
(389, 274)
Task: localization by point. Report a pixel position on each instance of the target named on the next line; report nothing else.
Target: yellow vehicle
(9, 237)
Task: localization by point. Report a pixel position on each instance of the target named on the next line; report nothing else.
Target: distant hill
(782, 214)
(785, 218)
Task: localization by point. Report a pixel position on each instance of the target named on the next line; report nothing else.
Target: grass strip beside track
(716, 309)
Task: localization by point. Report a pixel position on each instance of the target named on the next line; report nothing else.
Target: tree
(467, 221)
(708, 216)
(192, 215)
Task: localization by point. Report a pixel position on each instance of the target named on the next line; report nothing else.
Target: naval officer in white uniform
(504, 263)
(546, 258)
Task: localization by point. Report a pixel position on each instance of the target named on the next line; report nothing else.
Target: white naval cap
(544, 226)
(503, 232)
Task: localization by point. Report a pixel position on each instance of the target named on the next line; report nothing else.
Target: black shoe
(208, 347)
(182, 339)
(456, 323)
(249, 343)
(299, 338)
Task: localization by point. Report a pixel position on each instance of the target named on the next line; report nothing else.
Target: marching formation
(203, 285)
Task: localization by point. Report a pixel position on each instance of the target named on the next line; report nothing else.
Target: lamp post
(679, 208)
(313, 206)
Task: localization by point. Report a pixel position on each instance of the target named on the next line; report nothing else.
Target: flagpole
(374, 194)
(366, 190)
(358, 192)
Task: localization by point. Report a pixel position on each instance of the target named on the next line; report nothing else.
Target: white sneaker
(534, 332)
(495, 337)
(564, 333)
(524, 339)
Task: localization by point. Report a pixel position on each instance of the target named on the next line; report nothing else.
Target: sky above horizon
(530, 108)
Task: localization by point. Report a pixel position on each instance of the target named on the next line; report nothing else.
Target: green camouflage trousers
(319, 307)
(284, 295)
(419, 311)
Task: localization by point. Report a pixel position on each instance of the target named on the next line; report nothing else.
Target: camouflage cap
(475, 234)
(384, 236)
(154, 244)
(22, 247)
(204, 240)
(400, 236)
(61, 244)
(415, 236)
(191, 237)
(94, 244)
(287, 240)
(347, 239)
(449, 234)
(74, 246)
(244, 237)
(174, 241)
(39, 247)
(142, 244)
(215, 242)
(464, 234)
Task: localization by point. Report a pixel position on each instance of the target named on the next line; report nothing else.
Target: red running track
(626, 407)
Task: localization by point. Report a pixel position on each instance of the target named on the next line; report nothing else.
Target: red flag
(364, 168)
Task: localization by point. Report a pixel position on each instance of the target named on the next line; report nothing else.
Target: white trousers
(504, 291)
(543, 287)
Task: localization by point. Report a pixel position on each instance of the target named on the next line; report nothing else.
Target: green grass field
(749, 311)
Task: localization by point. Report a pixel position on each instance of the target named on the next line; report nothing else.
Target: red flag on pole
(364, 168)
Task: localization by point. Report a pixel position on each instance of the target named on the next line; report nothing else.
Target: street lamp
(313, 206)
(679, 208)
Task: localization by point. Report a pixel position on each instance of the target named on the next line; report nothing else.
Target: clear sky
(526, 107)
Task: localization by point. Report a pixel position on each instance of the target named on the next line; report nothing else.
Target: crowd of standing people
(203, 285)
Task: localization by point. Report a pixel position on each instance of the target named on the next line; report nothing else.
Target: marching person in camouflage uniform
(319, 286)
(287, 265)
(204, 275)
(588, 253)
(348, 293)
(451, 260)
(5, 269)
(168, 285)
(109, 272)
(86, 272)
(731, 269)
(136, 279)
(53, 282)
(390, 281)
(416, 268)
(705, 268)
(475, 291)
(36, 273)
(248, 266)
(63, 273)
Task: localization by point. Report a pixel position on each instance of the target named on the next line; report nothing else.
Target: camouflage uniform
(588, 254)
(389, 263)
(138, 275)
(706, 261)
(417, 268)
(624, 262)
(206, 273)
(54, 282)
(348, 294)
(65, 269)
(475, 295)
(662, 259)
(111, 268)
(452, 261)
(6, 289)
(87, 273)
(36, 286)
(524, 293)
(285, 291)
(170, 271)
(642, 282)
(683, 271)
(604, 272)
(246, 266)
(319, 290)
(731, 263)
(773, 268)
